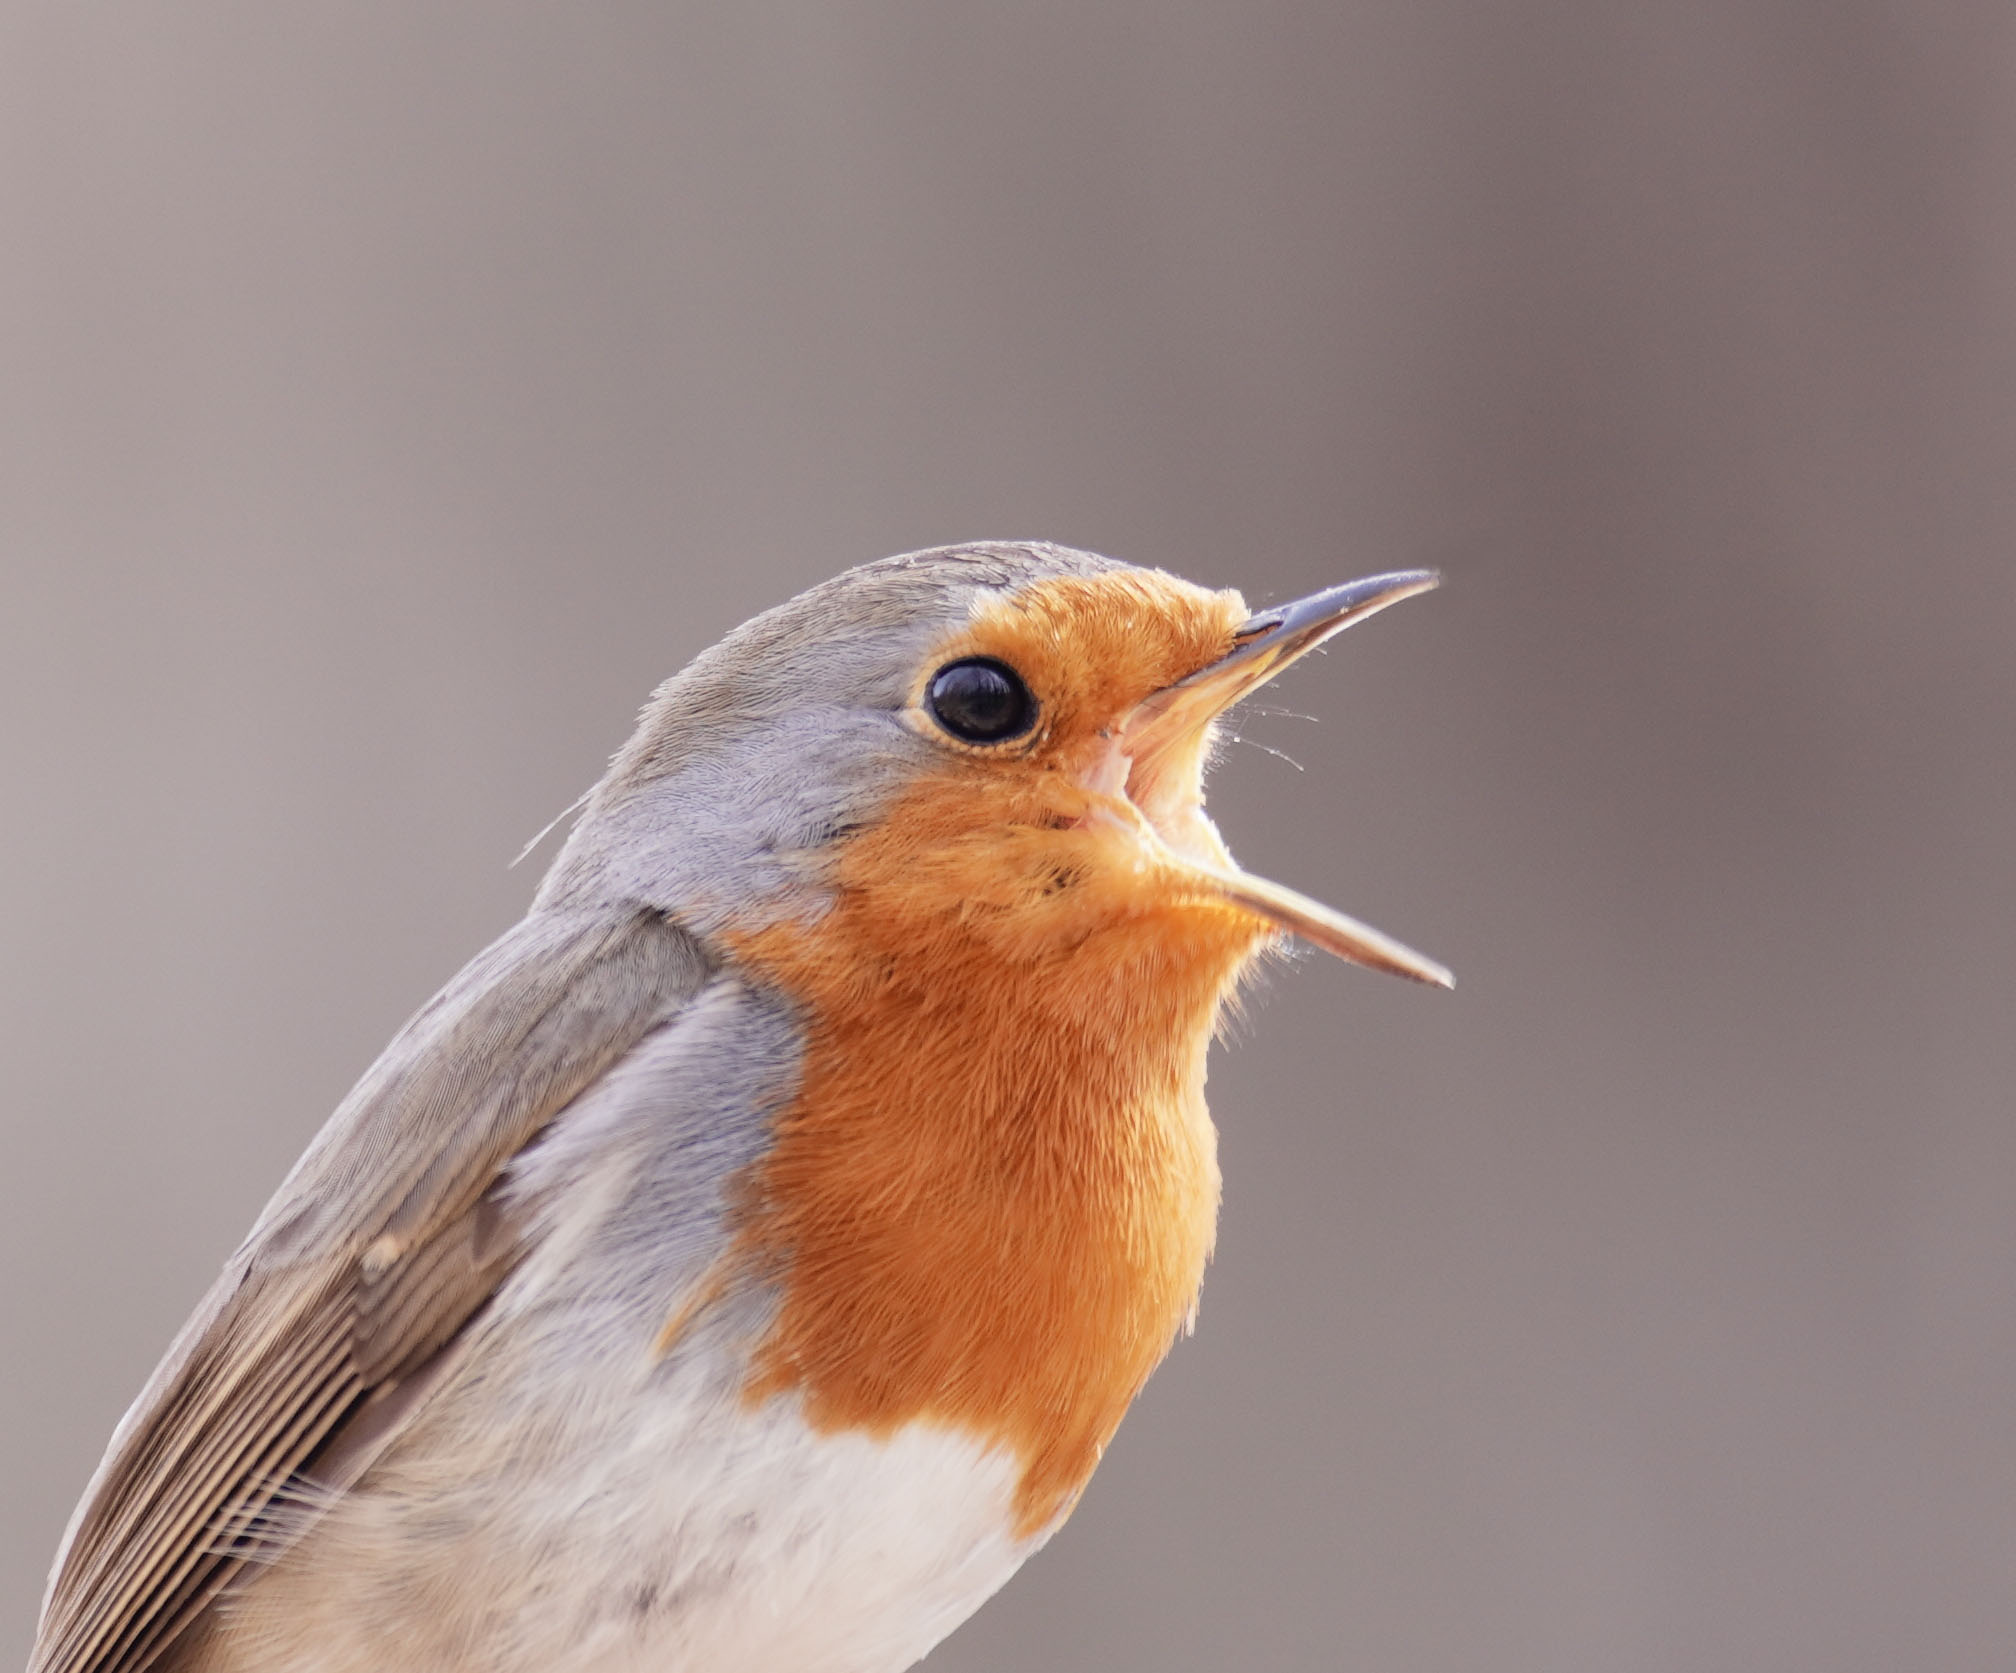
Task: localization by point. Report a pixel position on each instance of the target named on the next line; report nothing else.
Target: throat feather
(990, 1205)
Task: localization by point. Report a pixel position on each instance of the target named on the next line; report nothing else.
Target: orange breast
(991, 1204)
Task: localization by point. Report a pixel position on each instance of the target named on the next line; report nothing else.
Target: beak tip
(1420, 968)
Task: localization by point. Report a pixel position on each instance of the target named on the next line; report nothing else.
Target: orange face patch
(1092, 646)
(991, 1203)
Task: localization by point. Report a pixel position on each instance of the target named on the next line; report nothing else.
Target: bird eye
(980, 700)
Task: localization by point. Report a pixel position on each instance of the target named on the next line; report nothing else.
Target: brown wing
(376, 1250)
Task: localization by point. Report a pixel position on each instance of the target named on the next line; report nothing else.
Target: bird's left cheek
(1040, 890)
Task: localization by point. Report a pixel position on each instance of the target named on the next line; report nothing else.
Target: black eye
(980, 700)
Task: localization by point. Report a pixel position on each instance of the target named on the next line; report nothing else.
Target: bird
(744, 1262)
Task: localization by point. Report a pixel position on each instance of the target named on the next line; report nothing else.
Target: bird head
(1010, 738)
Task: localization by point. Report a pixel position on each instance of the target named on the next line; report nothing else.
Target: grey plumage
(365, 1262)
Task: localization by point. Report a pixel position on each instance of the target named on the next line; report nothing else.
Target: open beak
(1263, 646)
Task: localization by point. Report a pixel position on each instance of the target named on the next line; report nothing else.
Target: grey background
(391, 393)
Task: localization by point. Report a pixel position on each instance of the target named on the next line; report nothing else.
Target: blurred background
(390, 394)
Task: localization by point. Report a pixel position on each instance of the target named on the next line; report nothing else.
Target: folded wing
(377, 1250)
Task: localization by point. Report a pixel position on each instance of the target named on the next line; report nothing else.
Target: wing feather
(379, 1247)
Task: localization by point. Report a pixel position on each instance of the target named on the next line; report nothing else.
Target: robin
(743, 1263)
